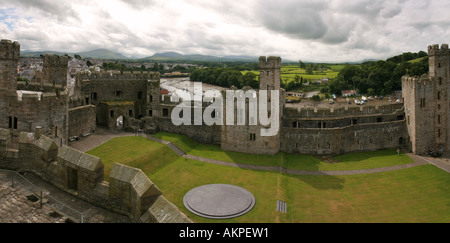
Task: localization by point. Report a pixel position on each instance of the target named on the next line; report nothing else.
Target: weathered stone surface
(163, 211)
(427, 104)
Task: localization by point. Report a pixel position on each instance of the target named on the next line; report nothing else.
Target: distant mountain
(96, 54)
(168, 54)
(102, 54)
(177, 57)
(240, 57)
(39, 53)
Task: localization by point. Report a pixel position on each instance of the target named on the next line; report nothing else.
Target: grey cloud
(298, 19)
(139, 4)
(62, 10)
(368, 9)
(391, 12)
(422, 26)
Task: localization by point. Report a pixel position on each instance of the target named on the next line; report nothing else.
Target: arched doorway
(120, 122)
(441, 148)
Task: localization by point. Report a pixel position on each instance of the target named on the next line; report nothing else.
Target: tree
(155, 67)
(235, 79)
(301, 64)
(325, 90)
(309, 69)
(422, 54)
(89, 63)
(222, 79)
(297, 79)
(316, 98)
(249, 79)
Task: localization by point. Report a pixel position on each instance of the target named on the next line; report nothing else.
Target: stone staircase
(176, 149)
(169, 144)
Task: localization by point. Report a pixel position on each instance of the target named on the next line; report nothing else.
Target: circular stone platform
(219, 201)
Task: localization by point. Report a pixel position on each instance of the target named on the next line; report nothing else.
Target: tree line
(225, 77)
(379, 77)
(153, 68)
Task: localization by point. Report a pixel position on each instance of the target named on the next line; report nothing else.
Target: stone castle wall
(419, 111)
(427, 104)
(249, 138)
(129, 191)
(337, 131)
(82, 120)
(24, 111)
(25, 106)
(352, 138)
(55, 70)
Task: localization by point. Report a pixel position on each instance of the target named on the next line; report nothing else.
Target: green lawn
(134, 151)
(418, 194)
(353, 161)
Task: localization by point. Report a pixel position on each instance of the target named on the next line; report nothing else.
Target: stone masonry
(427, 104)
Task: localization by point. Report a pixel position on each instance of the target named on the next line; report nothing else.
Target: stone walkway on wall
(18, 204)
(15, 207)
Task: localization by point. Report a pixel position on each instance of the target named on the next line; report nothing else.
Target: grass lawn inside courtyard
(418, 194)
(352, 161)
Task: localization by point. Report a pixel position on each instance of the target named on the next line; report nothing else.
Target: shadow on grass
(316, 178)
(321, 182)
(275, 163)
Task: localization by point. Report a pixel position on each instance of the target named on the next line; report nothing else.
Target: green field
(418, 194)
(288, 72)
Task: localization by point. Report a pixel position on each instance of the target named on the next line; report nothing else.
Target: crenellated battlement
(128, 191)
(269, 62)
(434, 50)
(347, 111)
(424, 80)
(56, 61)
(9, 50)
(41, 99)
(117, 75)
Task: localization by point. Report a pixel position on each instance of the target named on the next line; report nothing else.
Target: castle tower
(439, 59)
(9, 60)
(270, 73)
(427, 103)
(248, 137)
(55, 70)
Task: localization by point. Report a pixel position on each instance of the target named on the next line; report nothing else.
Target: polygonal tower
(427, 103)
(439, 59)
(270, 73)
(9, 60)
(55, 70)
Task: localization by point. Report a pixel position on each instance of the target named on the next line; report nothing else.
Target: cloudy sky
(319, 30)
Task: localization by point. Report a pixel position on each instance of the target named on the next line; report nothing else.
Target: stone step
(281, 206)
(176, 149)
